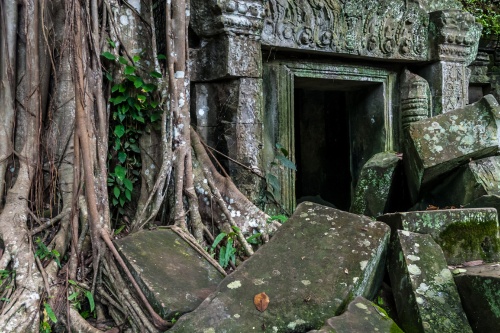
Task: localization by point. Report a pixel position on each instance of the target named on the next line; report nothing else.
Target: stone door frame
(279, 84)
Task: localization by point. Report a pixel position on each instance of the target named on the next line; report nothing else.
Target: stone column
(416, 103)
(454, 38)
(227, 75)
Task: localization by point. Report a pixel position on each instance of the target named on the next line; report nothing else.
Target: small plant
(76, 300)
(43, 252)
(227, 252)
(175, 317)
(48, 317)
(280, 218)
(255, 239)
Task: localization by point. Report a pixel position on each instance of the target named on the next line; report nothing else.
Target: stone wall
(243, 71)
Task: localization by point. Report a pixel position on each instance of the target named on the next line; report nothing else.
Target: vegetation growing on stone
(470, 237)
(487, 12)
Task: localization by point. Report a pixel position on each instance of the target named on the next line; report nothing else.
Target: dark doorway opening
(322, 146)
(328, 153)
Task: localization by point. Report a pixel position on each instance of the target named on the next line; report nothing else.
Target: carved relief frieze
(233, 17)
(373, 28)
(416, 101)
(455, 86)
(455, 36)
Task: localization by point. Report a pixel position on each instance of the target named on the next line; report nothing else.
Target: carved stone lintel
(416, 102)
(454, 36)
(370, 28)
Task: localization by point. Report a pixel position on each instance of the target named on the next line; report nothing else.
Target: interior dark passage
(322, 145)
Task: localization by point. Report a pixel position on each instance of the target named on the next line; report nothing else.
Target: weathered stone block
(227, 56)
(372, 193)
(228, 118)
(315, 264)
(479, 289)
(463, 234)
(486, 201)
(439, 144)
(362, 316)
(476, 184)
(425, 294)
(158, 260)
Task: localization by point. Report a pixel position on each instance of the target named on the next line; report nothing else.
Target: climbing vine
(136, 109)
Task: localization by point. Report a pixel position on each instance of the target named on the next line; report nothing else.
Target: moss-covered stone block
(362, 316)
(463, 234)
(317, 262)
(425, 294)
(438, 145)
(479, 289)
(372, 193)
(174, 277)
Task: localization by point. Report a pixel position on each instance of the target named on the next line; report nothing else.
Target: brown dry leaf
(261, 301)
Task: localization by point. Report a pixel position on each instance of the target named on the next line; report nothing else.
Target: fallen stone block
(463, 234)
(485, 201)
(437, 145)
(372, 193)
(468, 184)
(362, 316)
(317, 262)
(479, 289)
(174, 277)
(425, 294)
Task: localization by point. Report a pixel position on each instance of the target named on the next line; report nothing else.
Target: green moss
(395, 329)
(471, 236)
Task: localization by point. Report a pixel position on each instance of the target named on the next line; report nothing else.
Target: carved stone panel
(372, 28)
(449, 83)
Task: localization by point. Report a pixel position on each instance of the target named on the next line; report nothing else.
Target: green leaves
(155, 74)
(120, 172)
(119, 130)
(43, 252)
(486, 13)
(129, 70)
(227, 253)
(50, 312)
(76, 299)
(280, 218)
(135, 110)
(108, 55)
(90, 298)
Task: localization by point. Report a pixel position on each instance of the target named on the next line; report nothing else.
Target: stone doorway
(323, 139)
(332, 119)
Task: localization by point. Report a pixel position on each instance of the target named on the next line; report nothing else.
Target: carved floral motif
(376, 28)
(455, 86)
